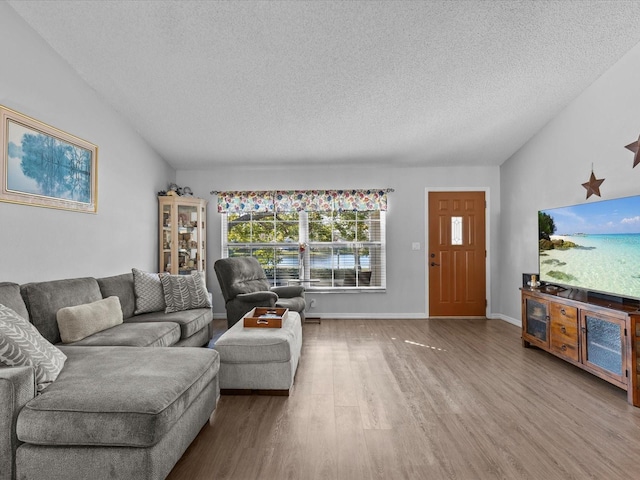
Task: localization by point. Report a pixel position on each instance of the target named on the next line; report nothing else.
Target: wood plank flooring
(422, 399)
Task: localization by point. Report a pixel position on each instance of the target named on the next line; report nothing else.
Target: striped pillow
(185, 292)
(21, 344)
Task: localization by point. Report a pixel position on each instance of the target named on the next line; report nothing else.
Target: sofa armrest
(263, 298)
(17, 387)
(290, 291)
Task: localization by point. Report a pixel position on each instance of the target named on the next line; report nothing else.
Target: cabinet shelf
(538, 320)
(613, 350)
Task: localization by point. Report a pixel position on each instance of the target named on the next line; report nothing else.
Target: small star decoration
(593, 185)
(635, 148)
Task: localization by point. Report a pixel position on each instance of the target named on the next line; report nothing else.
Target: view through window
(321, 250)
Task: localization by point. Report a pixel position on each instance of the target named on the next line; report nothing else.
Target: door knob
(434, 264)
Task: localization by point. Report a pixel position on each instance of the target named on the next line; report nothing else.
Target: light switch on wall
(415, 246)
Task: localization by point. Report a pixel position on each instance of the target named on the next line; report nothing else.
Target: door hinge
(486, 303)
(626, 373)
(625, 332)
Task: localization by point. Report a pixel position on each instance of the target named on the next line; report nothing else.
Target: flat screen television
(593, 247)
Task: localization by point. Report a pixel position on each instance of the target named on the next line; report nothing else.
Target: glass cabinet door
(603, 346)
(188, 257)
(537, 320)
(165, 239)
(203, 240)
(182, 234)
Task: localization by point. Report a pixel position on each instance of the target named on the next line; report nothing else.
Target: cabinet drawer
(564, 313)
(564, 339)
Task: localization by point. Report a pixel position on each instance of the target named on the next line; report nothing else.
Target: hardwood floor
(422, 399)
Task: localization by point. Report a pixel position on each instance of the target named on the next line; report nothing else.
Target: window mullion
(303, 238)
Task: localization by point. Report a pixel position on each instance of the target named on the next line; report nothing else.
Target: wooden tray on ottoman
(265, 317)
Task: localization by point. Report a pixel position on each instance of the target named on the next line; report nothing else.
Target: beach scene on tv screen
(594, 246)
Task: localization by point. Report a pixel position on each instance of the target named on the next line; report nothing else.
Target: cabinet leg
(525, 344)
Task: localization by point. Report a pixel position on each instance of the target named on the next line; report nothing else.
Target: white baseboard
(505, 318)
(385, 316)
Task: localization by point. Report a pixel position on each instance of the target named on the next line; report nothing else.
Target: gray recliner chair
(244, 286)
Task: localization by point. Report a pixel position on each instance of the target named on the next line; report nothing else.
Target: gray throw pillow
(81, 321)
(185, 292)
(149, 292)
(21, 344)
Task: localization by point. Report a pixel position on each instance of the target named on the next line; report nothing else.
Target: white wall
(550, 169)
(42, 244)
(406, 272)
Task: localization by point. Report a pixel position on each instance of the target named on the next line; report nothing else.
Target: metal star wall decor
(593, 185)
(635, 148)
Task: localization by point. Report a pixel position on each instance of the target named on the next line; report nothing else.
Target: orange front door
(457, 254)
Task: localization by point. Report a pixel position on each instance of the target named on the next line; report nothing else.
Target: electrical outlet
(312, 303)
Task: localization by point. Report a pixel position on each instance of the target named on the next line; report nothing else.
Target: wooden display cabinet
(182, 241)
(593, 333)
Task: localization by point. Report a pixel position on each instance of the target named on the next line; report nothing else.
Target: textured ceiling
(337, 82)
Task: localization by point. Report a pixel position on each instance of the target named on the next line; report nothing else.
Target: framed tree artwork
(46, 167)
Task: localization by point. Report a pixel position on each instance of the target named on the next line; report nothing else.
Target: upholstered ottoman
(260, 360)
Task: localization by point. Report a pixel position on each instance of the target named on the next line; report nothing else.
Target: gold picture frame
(46, 167)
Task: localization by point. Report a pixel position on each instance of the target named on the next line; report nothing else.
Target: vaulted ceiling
(213, 83)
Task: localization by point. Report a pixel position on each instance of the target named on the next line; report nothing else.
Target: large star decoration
(593, 185)
(635, 148)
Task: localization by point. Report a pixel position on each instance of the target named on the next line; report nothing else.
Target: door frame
(487, 233)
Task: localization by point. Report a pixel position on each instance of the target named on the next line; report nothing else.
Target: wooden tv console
(596, 333)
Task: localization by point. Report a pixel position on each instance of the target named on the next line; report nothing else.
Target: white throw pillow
(21, 344)
(76, 323)
(185, 292)
(148, 291)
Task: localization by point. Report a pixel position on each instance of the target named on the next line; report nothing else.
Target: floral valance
(302, 200)
(243, 202)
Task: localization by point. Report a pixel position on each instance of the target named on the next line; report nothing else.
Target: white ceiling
(338, 82)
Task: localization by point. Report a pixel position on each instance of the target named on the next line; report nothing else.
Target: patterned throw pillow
(185, 292)
(149, 292)
(22, 345)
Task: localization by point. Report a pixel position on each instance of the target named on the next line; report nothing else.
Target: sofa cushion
(21, 345)
(44, 299)
(122, 287)
(10, 297)
(76, 323)
(185, 292)
(148, 291)
(190, 321)
(159, 334)
(117, 396)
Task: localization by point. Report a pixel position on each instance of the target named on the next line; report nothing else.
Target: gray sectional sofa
(117, 409)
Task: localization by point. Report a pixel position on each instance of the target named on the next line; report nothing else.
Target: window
(346, 249)
(273, 238)
(322, 249)
(456, 230)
